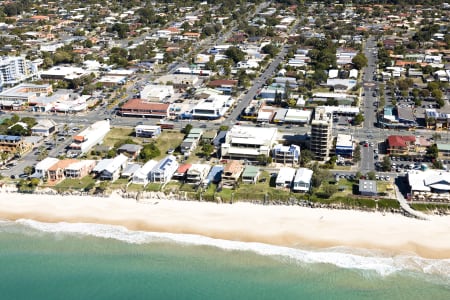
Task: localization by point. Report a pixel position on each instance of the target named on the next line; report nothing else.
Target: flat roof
(368, 186)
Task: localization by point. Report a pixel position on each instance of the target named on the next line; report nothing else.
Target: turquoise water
(85, 261)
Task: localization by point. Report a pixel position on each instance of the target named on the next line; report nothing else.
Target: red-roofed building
(140, 107)
(401, 144)
(180, 174)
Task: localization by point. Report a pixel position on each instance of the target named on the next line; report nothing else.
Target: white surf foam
(338, 256)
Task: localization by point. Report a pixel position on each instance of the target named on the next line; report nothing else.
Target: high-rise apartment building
(15, 69)
(321, 134)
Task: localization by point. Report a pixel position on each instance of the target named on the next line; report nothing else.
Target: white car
(387, 178)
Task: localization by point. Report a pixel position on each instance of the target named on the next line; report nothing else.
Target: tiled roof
(400, 140)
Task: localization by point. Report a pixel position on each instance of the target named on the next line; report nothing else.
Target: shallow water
(81, 261)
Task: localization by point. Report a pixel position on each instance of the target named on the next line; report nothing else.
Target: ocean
(89, 261)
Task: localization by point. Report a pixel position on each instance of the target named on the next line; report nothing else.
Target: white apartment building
(243, 142)
(321, 134)
(15, 69)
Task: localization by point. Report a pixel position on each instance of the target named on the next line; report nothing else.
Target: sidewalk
(405, 206)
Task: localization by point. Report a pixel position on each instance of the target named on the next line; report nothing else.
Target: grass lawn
(75, 184)
(172, 186)
(120, 183)
(167, 140)
(135, 188)
(117, 134)
(153, 187)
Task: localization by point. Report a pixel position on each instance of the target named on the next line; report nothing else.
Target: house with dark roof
(227, 86)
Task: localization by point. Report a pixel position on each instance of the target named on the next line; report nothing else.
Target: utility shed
(368, 187)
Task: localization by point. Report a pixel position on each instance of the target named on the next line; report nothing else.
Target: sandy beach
(278, 225)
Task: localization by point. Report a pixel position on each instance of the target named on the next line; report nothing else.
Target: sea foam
(339, 256)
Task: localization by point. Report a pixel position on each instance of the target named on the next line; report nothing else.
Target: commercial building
(248, 143)
(64, 73)
(15, 69)
(429, 186)
(156, 93)
(213, 107)
(345, 145)
(44, 127)
(16, 97)
(321, 130)
(302, 180)
(90, 137)
(401, 144)
(142, 108)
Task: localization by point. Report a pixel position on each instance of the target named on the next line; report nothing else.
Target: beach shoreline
(290, 226)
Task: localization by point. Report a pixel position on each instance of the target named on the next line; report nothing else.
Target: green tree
(235, 54)
(28, 170)
(359, 119)
(187, 129)
(433, 151)
(386, 164)
(207, 149)
(306, 157)
(359, 61)
(270, 49)
(149, 151)
(371, 175)
(329, 190)
(357, 154)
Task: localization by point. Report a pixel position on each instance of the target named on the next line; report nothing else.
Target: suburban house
(44, 127)
(197, 173)
(250, 174)
(443, 151)
(89, 137)
(56, 171)
(191, 141)
(109, 169)
(286, 154)
(129, 170)
(42, 167)
(368, 188)
(400, 144)
(12, 144)
(164, 170)
(214, 175)
(226, 86)
(149, 131)
(79, 169)
(130, 150)
(285, 177)
(231, 173)
(141, 176)
(180, 173)
(249, 143)
(302, 180)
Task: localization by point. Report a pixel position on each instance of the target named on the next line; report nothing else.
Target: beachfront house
(79, 169)
(285, 177)
(141, 176)
(231, 173)
(197, 173)
(214, 176)
(164, 170)
(180, 173)
(109, 169)
(302, 180)
(42, 167)
(251, 174)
